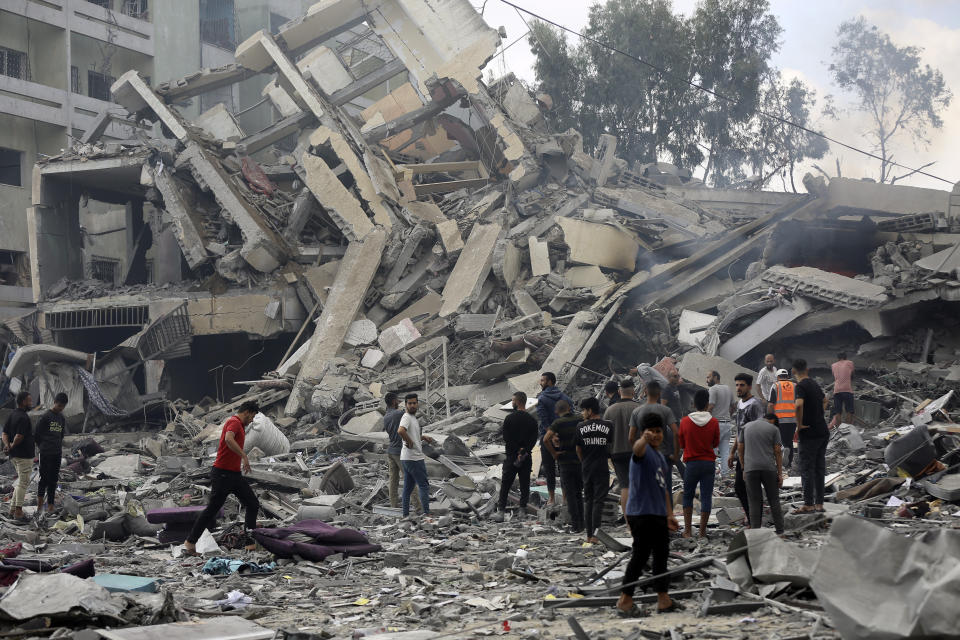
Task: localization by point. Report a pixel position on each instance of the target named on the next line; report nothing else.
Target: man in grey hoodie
(547, 413)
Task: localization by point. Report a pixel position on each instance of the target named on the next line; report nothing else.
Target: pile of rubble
(445, 241)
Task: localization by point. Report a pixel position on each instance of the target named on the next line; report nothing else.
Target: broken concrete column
(333, 141)
(450, 237)
(342, 207)
(507, 262)
(416, 235)
(763, 328)
(133, 94)
(303, 209)
(187, 225)
(262, 248)
(472, 268)
(357, 269)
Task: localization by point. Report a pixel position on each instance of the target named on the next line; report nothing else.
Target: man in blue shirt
(650, 515)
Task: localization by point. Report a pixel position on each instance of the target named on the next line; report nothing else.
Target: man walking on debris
(49, 438)
(766, 378)
(593, 449)
(391, 424)
(226, 477)
(546, 410)
(650, 513)
(621, 446)
(669, 447)
(748, 410)
(699, 436)
(519, 436)
(720, 406)
(783, 404)
(18, 444)
(813, 435)
(761, 455)
(561, 442)
(843, 388)
(411, 456)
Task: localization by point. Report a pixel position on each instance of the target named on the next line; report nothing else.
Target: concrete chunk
(539, 257)
(323, 67)
(599, 244)
(472, 268)
(186, 224)
(260, 52)
(394, 339)
(131, 92)
(337, 201)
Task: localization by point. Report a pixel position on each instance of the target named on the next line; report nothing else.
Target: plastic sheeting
(877, 584)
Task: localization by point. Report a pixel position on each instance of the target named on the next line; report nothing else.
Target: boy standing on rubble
(226, 477)
(49, 437)
(593, 449)
(650, 514)
(412, 457)
(18, 444)
(547, 400)
(519, 437)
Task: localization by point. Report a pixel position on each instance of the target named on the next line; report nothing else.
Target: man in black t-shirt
(813, 435)
(593, 449)
(519, 436)
(50, 431)
(560, 441)
(18, 444)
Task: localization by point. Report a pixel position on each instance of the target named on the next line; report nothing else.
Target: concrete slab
(450, 237)
(507, 262)
(599, 244)
(260, 52)
(341, 205)
(323, 67)
(472, 268)
(847, 196)
(219, 123)
(827, 286)
(695, 366)
(357, 269)
(426, 307)
(187, 224)
(763, 328)
(692, 326)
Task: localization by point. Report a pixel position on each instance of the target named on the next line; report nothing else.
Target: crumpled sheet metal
(56, 594)
(880, 585)
(771, 558)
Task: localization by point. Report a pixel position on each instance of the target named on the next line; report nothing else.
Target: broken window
(217, 23)
(104, 269)
(100, 3)
(98, 85)
(138, 9)
(148, 267)
(14, 63)
(11, 167)
(75, 80)
(12, 265)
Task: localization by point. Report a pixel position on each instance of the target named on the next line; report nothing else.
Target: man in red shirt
(226, 477)
(699, 435)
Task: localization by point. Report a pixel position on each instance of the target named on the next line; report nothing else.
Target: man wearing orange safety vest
(782, 396)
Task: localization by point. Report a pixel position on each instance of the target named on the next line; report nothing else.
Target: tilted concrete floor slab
(472, 268)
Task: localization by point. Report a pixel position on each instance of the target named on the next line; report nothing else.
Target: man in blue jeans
(412, 458)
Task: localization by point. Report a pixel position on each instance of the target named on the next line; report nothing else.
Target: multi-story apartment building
(58, 59)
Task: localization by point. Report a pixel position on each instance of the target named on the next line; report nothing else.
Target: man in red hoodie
(699, 435)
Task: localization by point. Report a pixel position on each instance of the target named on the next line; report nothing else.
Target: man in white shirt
(412, 458)
(766, 378)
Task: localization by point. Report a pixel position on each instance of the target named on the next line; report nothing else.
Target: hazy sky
(809, 33)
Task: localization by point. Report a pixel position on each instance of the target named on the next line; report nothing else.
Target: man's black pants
(813, 469)
(650, 535)
(548, 468)
(571, 479)
(740, 487)
(522, 473)
(596, 486)
(49, 477)
(222, 484)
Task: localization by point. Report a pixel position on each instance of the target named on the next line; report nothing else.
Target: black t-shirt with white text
(50, 431)
(594, 438)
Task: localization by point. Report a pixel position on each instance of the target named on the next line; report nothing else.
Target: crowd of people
(643, 441)
(747, 435)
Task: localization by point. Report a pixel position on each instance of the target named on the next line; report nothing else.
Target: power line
(715, 94)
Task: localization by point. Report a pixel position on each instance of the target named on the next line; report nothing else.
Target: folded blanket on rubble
(224, 566)
(314, 540)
